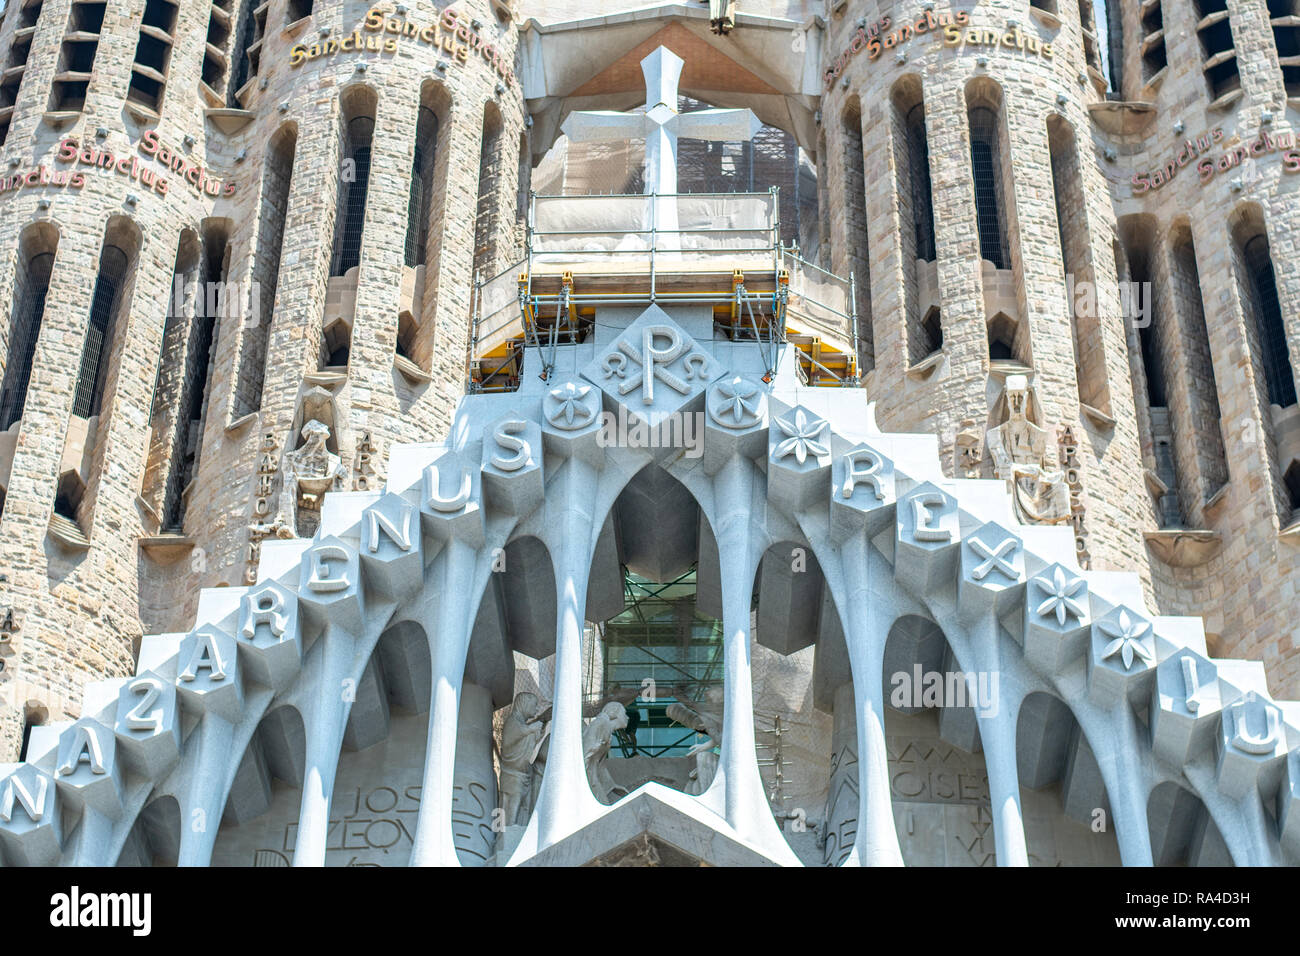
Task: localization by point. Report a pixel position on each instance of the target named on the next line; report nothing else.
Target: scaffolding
(721, 250)
(659, 651)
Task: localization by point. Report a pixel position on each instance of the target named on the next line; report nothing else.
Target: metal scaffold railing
(720, 250)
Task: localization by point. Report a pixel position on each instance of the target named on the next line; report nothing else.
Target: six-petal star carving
(736, 399)
(1060, 600)
(1128, 639)
(801, 437)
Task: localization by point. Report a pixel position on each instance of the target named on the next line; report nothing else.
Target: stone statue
(595, 749)
(1018, 448)
(521, 740)
(309, 472)
(704, 718)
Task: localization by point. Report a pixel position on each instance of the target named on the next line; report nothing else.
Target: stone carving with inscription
(595, 749)
(1018, 448)
(705, 718)
(309, 472)
(521, 740)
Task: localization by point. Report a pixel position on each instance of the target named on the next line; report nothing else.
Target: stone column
(434, 843)
(866, 630)
(566, 800)
(325, 725)
(746, 806)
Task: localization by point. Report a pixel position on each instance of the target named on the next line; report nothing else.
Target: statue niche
(1019, 452)
(308, 472)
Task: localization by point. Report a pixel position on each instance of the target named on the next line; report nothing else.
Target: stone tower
(237, 218)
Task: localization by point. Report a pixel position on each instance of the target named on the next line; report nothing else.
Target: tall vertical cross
(661, 125)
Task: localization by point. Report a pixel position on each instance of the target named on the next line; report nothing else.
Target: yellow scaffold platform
(725, 253)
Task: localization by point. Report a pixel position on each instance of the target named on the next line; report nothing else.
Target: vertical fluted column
(746, 806)
(325, 730)
(997, 728)
(434, 843)
(1125, 781)
(210, 770)
(866, 629)
(565, 800)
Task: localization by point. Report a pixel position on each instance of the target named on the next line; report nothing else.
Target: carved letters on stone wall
(840, 829)
(1068, 455)
(268, 465)
(373, 823)
(9, 624)
(366, 478)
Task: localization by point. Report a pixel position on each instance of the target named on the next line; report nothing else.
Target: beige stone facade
(108, 533)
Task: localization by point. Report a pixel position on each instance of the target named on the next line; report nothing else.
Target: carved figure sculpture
(704, 718)
(596, 738)
(1018, 448)
(308, 473)
(521, 739)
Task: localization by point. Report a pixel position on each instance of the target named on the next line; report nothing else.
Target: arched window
(919, 163)
(354, 184)
(421, 198)
(986, 169)
(1076, 263)
(1283, 14)
(77, 57)
(1273, 353)
(487, 212)
(1203, 392)
(916, 218)
(277, 173)
(105, 304)
(855, 224)
(1154, 58)
(36, 253)
(188, 339)
(246, 57)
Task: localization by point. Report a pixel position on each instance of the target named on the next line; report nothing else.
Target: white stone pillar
(998, 737)
(326, 722)
(1121, 772)
(202, 806)
(434, 843)
(566, 801)
(866, 630)
(746, 805)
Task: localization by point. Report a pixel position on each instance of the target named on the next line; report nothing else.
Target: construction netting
(771, 158)
(695, 225)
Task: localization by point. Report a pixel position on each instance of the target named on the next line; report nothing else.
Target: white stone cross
(661, 125)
